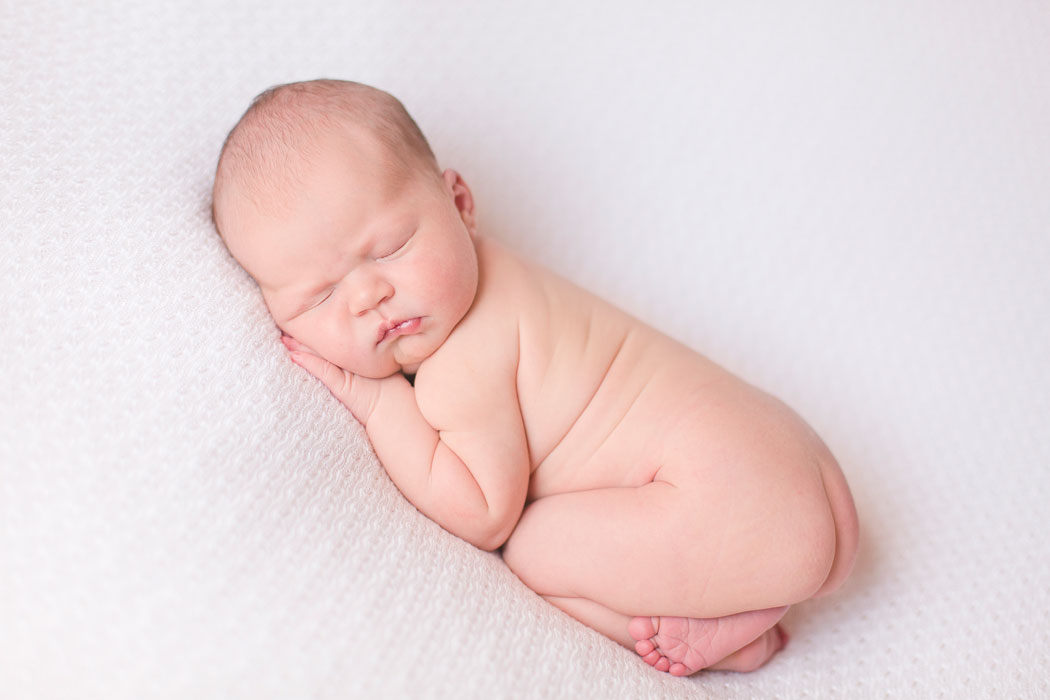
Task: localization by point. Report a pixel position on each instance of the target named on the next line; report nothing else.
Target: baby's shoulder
(502, 274)
(493, 318)
(483, 348)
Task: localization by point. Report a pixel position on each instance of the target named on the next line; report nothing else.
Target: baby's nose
(369, 292)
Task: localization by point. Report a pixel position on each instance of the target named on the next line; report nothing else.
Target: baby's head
(283, 129)
(328, 194)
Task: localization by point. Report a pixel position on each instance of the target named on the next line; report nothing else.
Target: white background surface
(847, 206)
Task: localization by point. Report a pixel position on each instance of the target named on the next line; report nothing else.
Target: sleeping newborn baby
(631, 482)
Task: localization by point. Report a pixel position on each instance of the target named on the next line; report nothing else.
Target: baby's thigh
(655, 549)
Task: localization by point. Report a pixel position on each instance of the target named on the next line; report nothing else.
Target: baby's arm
(464, 464)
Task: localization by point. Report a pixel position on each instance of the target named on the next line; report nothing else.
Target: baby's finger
(293, 344)
(337, 379)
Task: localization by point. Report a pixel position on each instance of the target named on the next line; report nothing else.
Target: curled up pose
(630, 481)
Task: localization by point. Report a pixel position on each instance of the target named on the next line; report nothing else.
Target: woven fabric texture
(845, 204)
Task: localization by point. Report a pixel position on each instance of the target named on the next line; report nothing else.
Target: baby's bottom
(684, 586)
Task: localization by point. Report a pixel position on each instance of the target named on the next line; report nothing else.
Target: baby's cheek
(431, 283)
(459, 278)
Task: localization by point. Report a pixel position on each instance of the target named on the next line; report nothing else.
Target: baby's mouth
(392, 329)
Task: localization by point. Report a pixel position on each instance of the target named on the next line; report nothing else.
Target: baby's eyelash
(325, 297)
(396, 250)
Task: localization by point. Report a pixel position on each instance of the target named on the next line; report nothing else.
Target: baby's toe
(679, 670)
(652, 657)
(644, 647)
(641, 628)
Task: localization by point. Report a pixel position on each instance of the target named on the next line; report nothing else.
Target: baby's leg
(657, 549)
(650, 560)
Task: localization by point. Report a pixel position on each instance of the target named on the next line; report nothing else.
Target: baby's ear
(462, 198)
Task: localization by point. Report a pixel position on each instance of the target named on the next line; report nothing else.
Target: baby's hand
(357, 393)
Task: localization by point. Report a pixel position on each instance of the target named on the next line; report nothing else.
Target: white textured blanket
(847, 205)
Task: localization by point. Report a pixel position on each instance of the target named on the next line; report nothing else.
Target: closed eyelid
(313, 301)
(324, 296)
(398, 248)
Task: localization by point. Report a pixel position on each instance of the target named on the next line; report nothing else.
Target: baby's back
(603, 396)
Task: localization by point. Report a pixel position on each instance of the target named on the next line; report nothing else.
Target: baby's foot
(684, 645)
